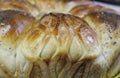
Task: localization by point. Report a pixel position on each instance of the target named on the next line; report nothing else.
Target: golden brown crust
(59, 45)
(12, 24)
(65, 28)
(21, 5)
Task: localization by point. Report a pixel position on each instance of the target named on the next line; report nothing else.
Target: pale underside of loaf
(59, 45)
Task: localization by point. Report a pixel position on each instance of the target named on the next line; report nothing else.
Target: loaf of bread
(81, 41)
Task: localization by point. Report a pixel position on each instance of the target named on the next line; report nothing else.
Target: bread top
(37, 8)
(65, 30)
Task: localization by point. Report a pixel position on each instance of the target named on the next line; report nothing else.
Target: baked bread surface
(58, 43)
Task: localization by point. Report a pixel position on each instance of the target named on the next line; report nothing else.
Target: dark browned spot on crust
(114, 43)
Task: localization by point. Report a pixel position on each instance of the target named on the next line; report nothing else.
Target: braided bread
(59, 43)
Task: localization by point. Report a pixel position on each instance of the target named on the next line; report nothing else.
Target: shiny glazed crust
(59, 44)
